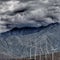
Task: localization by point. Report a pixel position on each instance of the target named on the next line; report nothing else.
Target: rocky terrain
(18, 42)
(39, 33)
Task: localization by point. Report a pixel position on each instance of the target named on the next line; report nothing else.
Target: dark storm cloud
(31, 13)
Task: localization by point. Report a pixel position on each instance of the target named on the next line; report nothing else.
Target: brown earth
(55, 56)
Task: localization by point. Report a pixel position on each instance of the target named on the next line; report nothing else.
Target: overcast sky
(31, 13)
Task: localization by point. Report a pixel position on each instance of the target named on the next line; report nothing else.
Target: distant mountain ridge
(18, 42)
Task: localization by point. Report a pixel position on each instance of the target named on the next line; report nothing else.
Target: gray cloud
(31, 13)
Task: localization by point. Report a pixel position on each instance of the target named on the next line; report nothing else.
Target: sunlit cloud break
(32, 13)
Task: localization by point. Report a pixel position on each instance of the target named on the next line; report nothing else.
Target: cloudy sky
(30, 13)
